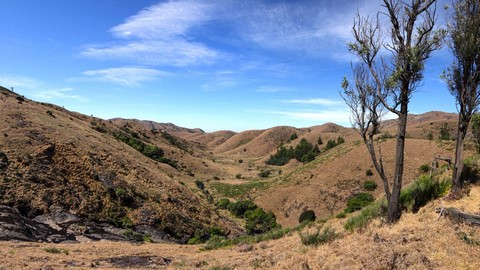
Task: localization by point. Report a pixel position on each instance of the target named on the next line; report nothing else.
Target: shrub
(370, 185)
(306, 216)
(294, 136)
(265, 173)
(281, 157)
(223, 203)
(423, 190)
(368, 213)
(259, 221)
(241, 207)
(445, 132)
(358, 202)
(341, 215)
(369, 172)
(238, 176)
(424, 168)
(319, 237)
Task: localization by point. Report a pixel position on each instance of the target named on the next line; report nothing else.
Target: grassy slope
(417, 241)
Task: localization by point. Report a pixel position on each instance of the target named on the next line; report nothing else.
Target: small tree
(389, 82)
(463, 75)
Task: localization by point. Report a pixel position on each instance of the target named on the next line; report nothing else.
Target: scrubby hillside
(423, 240)
(55, 158)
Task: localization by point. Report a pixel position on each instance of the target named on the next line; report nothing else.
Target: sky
(215, 65)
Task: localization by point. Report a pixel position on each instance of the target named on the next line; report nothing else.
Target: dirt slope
(59, 158)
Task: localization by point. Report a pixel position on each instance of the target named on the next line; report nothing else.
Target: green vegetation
(412, 198)
(368, 213)
(370, 185)
(217, 242)
(307, 216)
(55, 250)
(257, 220)
(422, 191)
(303, 152)
(319, 237)
(358, 201)
(294, 136)
(150, 151)
(424, 168)
(445, 132)
(332, 143)
(341, 215)
(369, 172)
(282, 156)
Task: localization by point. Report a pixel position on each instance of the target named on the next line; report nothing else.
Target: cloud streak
(160, 35)
(125, 76)
(39, 89)
(315, 101)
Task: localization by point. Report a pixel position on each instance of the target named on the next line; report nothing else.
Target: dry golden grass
(417, 241)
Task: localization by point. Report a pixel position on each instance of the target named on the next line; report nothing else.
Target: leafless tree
(463, 75)
(389, 80)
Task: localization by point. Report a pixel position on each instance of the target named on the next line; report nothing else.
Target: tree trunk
(394, 210)
(458, 165)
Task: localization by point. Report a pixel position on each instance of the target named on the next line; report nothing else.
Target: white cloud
(273, 89)
(160, 35)
(37, 89)
(18, 82)
(164, 20)
(125, 76)
(62, 93)
(315, 101)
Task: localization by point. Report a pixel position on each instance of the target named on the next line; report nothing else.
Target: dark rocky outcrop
(62, 226)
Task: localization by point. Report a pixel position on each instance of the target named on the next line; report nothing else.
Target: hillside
(60, 159)
(418, 241)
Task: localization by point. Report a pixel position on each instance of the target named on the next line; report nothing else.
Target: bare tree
(392, 78)
(463, 75)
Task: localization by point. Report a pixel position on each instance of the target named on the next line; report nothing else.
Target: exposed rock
(60, 226)
(3, 161)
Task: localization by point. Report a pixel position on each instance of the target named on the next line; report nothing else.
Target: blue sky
(214, 65)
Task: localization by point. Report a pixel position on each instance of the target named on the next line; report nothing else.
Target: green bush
(358, 202)
(370, 185)
(424, 168)
(306, 216)
(282, 156)
(294, 136)
(319, 237)
(241, 207)
(368, 213)
(258, 221)
(423, 190)
(341, 215)
(369, 172)
(223, 203)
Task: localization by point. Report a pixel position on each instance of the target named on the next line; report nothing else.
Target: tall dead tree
(394, 76)
(463, 75)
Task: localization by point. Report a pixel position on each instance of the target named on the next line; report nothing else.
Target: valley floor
(418, 241)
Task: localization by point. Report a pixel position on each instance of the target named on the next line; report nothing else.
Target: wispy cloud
(125, 76)
(159, 35)
(315, 101)
(273, 89)
(220, 84)
(61, 93)
(39, 89)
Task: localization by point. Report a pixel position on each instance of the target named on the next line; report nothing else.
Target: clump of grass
(370, 185)
(368, 213)
(55, 250)
(217, 241)
(319, 237)
(423, 190)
